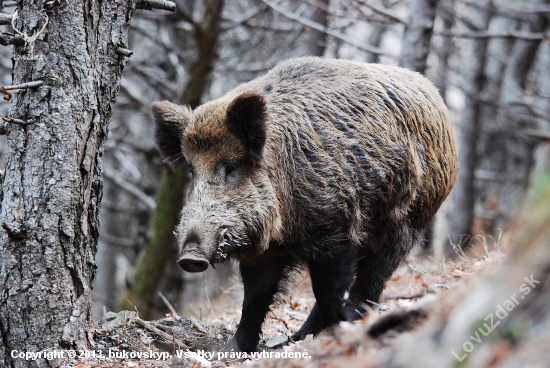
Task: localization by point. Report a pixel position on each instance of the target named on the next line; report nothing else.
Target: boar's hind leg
(330, 279)
(376, 266)
(261, 281)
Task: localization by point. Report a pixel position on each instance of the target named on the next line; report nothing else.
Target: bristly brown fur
(333, 164)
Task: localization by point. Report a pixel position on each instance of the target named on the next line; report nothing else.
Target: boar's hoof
(191, 263)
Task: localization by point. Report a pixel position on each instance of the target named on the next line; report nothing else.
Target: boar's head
(231, 208)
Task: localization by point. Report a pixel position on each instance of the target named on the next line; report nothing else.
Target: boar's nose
(192, 263)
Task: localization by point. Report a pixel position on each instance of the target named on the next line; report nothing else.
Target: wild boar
(332, 165)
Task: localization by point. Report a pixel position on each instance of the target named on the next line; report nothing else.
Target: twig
(33, 84)
(5, 90)
(164, 335)
(189, 19)
(157, 4)
(7, 94)
(118, 241)
(251, 13)
(131, 188)
(16, 40)
(538, 133)
(197, 325)
(10, 39)
(133, 93)
(17, 121)
(385, 12)
(167, 303)
(412, 296)
(511, 34)
(319, 27)
(151, 77)
(5, 19)
(10, 3)
(160, 42)
(533, 109)
(124, 52)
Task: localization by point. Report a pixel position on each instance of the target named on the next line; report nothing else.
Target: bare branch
(197, 325)
(117, 240)
(159, 42)
(5, 19)
(7, 94)
(6, 90)
(519, 13)
(33, 84)
(160, 83)
(189, 19)
(130, 188)
(538, 133)
(10, 3)
(118, 207)
(11, 39)
(319, 27)
(168, 304)
(385, 12)
(157, 4)
(511, 34)
(251, 13)
(124, 52)
(171, 339)
(17, 121)
(532, 107)
(133, 93)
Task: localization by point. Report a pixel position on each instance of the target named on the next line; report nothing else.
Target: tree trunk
(463, 196)
(52, 188)
(516, 118)
(152, 259)
(418, 34)
(446, 10)
(317, 41)
(490, 150)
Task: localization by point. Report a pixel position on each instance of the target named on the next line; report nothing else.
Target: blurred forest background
(489, 59)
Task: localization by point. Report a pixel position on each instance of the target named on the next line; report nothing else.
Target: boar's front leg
(261, 280)
(331, 277)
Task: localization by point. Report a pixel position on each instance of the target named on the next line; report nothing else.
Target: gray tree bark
(515, 118)
(490, 150)
(463, 196)
(418, 35)
(52, 187)
(317, 42)
(446, 10)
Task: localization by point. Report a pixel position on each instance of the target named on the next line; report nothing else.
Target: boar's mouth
(229, 244)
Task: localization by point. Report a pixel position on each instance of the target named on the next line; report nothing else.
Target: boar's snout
(191, 263)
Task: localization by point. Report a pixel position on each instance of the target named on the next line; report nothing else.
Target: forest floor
(421, 289)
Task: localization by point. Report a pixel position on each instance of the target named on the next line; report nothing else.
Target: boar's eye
(190, 171)
(230, 170)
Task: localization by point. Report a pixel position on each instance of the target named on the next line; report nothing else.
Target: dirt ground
(422, 287)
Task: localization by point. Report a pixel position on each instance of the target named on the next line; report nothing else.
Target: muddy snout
(191, 263)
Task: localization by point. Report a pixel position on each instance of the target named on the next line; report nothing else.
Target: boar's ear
(246, 119)
(171, 121)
